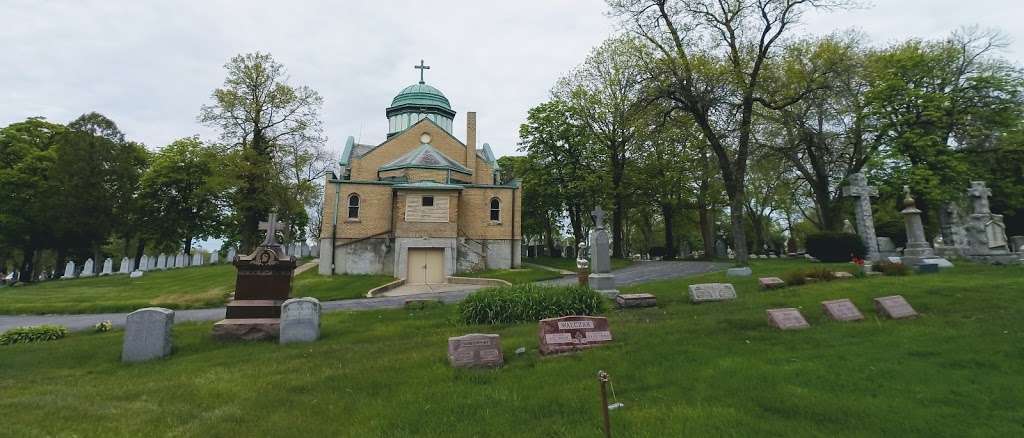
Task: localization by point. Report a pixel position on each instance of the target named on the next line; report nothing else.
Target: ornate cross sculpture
(421, 68)
(980, 193)
(272, 225)
(598, 217)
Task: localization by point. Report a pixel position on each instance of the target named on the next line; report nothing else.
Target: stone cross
(598, 218)
(422, 67)
(979, 195)
(272, 225)
(860, 189)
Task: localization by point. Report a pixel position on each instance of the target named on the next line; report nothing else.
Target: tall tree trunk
(707, 230)
(549, 239)
(668, 215)
(619, 209)
(739, 235)
(97, 263)
(61, 260)
(140, 251)
(28, 254)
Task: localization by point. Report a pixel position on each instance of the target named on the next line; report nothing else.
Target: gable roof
(357, 150)
(425, 157)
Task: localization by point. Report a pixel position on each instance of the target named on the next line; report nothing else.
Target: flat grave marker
(771, 282)
(842, 310)
(842, 275)
(475, 350)
(570, 333)
(636, 300)
(700, 293)
(894, 307)
(787, 319)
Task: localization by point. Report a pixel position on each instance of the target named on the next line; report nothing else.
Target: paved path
(639, 272)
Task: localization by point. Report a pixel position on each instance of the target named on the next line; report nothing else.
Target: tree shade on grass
(570, 264)
(715, 369)
(190, 288)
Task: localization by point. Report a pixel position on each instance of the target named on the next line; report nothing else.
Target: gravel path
(637, 273)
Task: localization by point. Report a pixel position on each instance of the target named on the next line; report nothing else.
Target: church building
(423, 205)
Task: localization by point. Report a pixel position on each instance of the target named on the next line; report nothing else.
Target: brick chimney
(471, 142)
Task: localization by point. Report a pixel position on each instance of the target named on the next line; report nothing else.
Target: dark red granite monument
(263, 283)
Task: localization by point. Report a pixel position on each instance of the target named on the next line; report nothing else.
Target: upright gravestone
(305, 249)
(108, 267)
(69, 271)
(986, 233)
(214, 258)
(475, 350)
(886, 248)
(179, 260)
(917, 246)
(721, 250)
(841, 310)
(300, 320)
(600, 277)
(231, 255)
(860, 189)
(570, 333)
(315, 250)
(153, 263)
(787, 319)
(1017, 244)
(126, 266)
(147, 334)
(197, 259)
(894, 307)
(263, 282)
(700, 293)
(161, 261)
(144, 263)
(87, 269)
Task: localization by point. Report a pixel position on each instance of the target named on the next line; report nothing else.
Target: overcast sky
(150, 65)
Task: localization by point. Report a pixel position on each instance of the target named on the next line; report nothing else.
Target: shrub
(21, 335)
(835, 247)
(893, 269)
(528, 302)
(800, 276)
(103, 326)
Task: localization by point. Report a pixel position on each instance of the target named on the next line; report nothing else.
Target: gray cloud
(150, 65)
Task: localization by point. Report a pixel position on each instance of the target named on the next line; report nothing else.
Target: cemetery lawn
(521, 275)
(191, 288)
(715, 369)
(570, 264)
(338, 287)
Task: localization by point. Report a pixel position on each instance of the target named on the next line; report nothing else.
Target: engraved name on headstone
(842, 310)
(895, 307)
(787, 319)
(568, 333)
(475, 350)
(700, 293)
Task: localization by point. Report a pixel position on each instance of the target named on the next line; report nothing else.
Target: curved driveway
(636, 273)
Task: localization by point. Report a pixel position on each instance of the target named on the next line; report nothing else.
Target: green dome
(421, 95)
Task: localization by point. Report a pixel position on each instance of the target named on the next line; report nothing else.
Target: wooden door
(426, 266)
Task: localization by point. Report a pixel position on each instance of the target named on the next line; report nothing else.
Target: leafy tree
(607, 97)
(257, 112)
(28, 209)
(185, 196)
(709, 59)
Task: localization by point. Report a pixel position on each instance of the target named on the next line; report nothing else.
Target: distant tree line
(83, 190)
(709, 120)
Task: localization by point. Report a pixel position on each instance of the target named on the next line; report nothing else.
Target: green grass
(570, 264)
(338, 287)
(192, 288)
(515, 276)
(198, 287)
(715, 369)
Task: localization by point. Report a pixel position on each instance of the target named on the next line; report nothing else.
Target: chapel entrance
(426, 266)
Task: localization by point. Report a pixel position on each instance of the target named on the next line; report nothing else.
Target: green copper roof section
(421, 95)
(425, 157)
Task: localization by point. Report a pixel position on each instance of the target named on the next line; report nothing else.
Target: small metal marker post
(603, 378)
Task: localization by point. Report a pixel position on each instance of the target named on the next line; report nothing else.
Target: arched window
(353, 206)
(495, 209)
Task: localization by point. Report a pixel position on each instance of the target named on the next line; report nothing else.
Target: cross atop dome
(421, 68)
